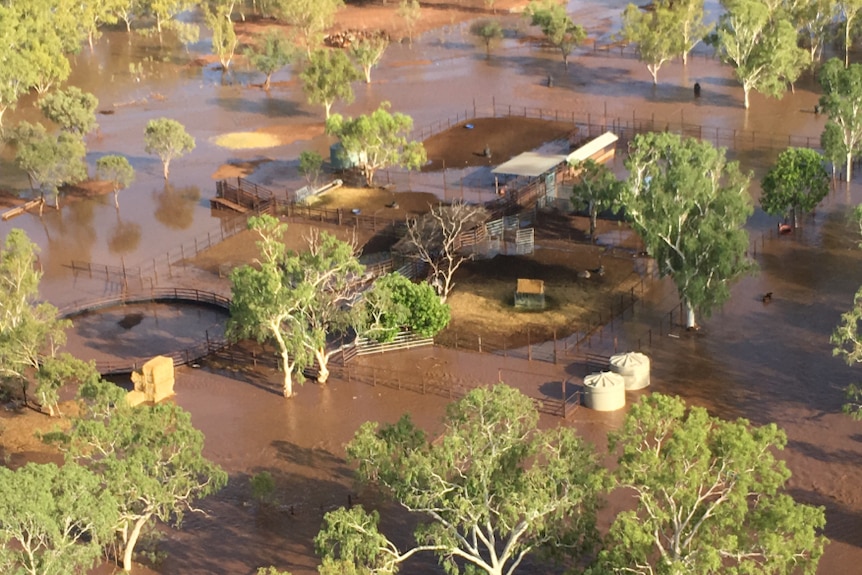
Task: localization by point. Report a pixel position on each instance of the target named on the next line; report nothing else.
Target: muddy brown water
(764, 362)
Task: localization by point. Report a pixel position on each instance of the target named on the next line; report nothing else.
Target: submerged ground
(765, 362)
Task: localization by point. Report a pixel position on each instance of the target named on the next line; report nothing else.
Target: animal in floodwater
(767, 297)
(131, 320)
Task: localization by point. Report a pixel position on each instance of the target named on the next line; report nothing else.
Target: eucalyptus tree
(309, 17)
(762, 46)
(597, 189)
(489, 491)
(168, 140)
(842, 102)
(689, 206)
(368, 51)
(795, 184)
(559, 29)
(53, 520)
(654, 33)
(117, 170)
(149, 458)
(709, 496)
(326, 78)
(378, 140)
(269, 52)
(71, 109)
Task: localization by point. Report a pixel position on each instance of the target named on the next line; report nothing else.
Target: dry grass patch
(483, 301)
(376, 202)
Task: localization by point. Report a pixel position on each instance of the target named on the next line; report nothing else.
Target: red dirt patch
(460, 147)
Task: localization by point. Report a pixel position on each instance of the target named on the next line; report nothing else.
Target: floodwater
(766, 362)
(140, 331)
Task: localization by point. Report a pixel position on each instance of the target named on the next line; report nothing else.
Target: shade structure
(530, 164)
(605, 391)
(634, 367)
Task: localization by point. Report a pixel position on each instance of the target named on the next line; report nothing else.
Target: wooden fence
(404, 340)
(181, 357)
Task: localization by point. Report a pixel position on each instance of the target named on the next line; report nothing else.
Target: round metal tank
(634, 367)
(605, 391)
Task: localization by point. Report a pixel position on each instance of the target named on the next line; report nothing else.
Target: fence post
(555, 347)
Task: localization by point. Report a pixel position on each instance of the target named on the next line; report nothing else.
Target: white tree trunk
(849, 165)
(322, 362)
(689, 316)
(287, 384)
(133, 540)
(746, 90)
(167, 168)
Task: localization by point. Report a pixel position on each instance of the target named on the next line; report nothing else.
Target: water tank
(605, 391)
(342, 160)
(634, 367)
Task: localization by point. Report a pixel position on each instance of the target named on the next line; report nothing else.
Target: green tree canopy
(310, 166)
(759, 41)
(53, 520)
(795, 184)
(654, 32)
(492, 489)
(149, 459)
(224, 39)
(72, 109)
(691, 29)
(488, 32)
(847, 343)
(558, 28)
(689, 205)
(410, 11)
(117, 170)
(31, 335)
(269, 52)
(842, 101)
(167, 139)
(596, 190)
(395, 303)
(310, 17)
(378, 140)
(848, 10)
(326, 78)
(164, 11)
(51, 161)
(709, 497)
(368, 51)
(323, 278)
(17, 75)
(264, 305)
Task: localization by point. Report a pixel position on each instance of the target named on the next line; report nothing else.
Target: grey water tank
(605, 391)
(634, 367)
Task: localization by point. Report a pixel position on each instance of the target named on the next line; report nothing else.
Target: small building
(530, 294)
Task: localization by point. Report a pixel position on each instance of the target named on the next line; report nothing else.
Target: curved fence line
(154, 295)
(180, 357)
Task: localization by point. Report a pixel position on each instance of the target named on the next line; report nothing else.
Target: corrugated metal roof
(592, 147)
(530, 164)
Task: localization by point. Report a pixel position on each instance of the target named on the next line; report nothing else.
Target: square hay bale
(530, 294)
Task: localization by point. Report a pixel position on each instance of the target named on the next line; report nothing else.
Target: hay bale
(155, 381)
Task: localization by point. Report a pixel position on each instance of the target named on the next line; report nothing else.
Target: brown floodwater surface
(766, 362)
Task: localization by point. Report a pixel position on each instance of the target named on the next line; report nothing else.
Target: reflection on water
(175, 207)
(125, 236)
(142, 330)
